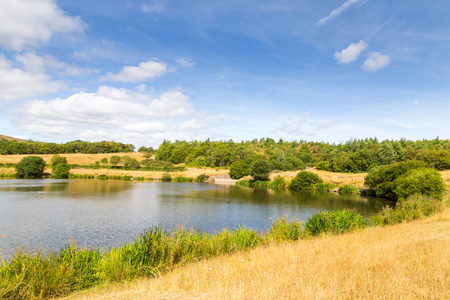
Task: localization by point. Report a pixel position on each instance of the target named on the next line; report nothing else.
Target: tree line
(33, 147)
(353, 156)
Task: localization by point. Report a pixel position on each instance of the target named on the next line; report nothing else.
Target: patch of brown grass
(75, 158)
(406, 261)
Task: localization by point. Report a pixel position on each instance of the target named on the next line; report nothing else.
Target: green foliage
(304, 181)
(132, 164)
(114, 160)
(183, 179)
(323, 187)
(56, 160)
(278, 183)
(202, 178)
(381, 179)
(166, 177)
(104, 161)
(31, 147)
(30, 167)
(61, 171)
(348, 190)
(425, 182)
(82, 176)
(405, 210)
(260, 170)
(239, 169)
(335, 222)
(284, 230)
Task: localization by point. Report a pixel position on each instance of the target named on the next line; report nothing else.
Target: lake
(47, 213)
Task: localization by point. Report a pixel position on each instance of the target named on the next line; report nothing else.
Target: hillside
(9, 138)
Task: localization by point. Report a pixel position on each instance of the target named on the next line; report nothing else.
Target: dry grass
(330, 177)
(407, 261)
(76, 158)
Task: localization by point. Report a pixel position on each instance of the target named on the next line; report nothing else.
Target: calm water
(47, 213)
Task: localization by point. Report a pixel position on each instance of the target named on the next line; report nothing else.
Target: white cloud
(185, 62)
(337, 12)
(350, 53)
(145, 71)
(304, 125)
(154, 6)
(376, 61)
(33, 22)
(118, 114)
(17, 84)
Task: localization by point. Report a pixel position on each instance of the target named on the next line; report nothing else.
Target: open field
(406, 261)
(85, 159)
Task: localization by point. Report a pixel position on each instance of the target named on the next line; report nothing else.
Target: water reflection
(47, 213)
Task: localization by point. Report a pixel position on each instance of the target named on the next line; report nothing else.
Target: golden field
(406, 261)
(85, 159)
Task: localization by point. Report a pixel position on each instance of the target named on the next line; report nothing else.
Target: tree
(104, 161)
(114, 160)
(423, 181)
(56, 160)
(30, 167)
(260, 170)
(238, 169)
(61, 171)
(304, 181)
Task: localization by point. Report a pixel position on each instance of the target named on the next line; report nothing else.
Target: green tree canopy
(30, 167)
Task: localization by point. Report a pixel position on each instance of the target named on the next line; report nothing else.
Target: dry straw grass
(406, 261)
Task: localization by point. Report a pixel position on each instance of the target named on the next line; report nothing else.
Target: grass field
(406, 261)
(86, 159)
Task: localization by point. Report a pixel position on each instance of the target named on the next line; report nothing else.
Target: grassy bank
(405, 261)
(38, 275)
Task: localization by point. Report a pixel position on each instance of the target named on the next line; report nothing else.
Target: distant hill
(9, 138)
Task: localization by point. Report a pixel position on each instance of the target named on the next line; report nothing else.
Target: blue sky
(144, 71)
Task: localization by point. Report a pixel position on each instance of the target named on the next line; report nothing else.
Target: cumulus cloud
(112, 113)
(185, 62)
(143, 72)
(337, 12)
(33, 22)
(350, 53)
(376, 61)
(16, 83)
(154, 6)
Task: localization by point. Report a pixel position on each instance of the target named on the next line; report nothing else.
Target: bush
(30, 167)
(348, 190)
(260, 170)
(334, 222)
(324, 187)
(304, 181)
(278, 183)
(285, 230)
(56, 160)
(166, 177)
(381, 179)
(425, 182)
(238, 169)
(61, 171)
(415, 207)
(202, 178)
(183, 179)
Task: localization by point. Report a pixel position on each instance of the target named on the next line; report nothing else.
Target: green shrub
(126, 178)
(334, 222)
(61, 171)
(202, 178)
(101, 177)
(260, 170)
(415, 207)
(425, 182)
(239, 169)
(304, 181)
(56, 160)
(323, 187)
(183, 179)
(139, 178)
(381, 179)
(166, 177)
(348, 190)
(30, 167)
(278, 183)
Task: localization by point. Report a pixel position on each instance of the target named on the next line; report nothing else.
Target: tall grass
(348, 190)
